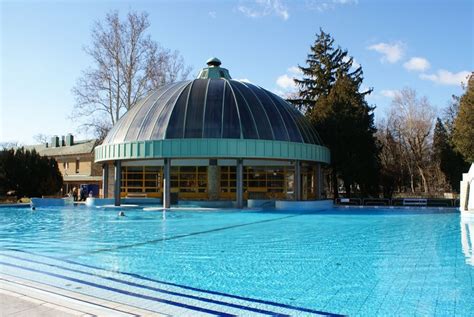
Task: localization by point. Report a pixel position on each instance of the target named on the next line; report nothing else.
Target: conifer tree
(463, 136)
(450, 162)
(329, 94)
(28, 174)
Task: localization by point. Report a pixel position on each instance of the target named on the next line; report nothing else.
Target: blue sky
(425, 45)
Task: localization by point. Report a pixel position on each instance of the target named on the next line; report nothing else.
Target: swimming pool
(340, 261)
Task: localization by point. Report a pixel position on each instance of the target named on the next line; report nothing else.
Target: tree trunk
(347, 186)
(423, 178)
(334, 184)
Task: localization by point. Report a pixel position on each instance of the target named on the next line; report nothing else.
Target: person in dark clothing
(82, 194)
(74, 193)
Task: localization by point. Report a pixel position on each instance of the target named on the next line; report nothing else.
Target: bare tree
(41, 138)
(411, 122)
(127, 65)
(9, 145)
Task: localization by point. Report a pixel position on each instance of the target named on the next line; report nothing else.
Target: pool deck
(19, 297)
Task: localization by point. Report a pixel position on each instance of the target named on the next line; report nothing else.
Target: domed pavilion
(212, 138)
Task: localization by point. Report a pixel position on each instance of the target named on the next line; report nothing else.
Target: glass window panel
(144, 116)
(151, 184)
(213, 116)
(123, 126)
(135, 169)
(304, 125)
(153, 168)
(231, 123)
(152, 176)
(258, 112)
(278, 126)
(157, 131)
(291, 127)
(249, 129)
(195, 110)
(134, 184)
(176, 122)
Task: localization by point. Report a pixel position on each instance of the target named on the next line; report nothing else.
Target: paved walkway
(19, 297)
(17, 305)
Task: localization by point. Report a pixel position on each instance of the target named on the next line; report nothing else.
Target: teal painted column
(118, 182)
(166, 183)
(240, 183)
(297, 180)
(105, 180)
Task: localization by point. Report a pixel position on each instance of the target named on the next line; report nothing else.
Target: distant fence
(408, 202)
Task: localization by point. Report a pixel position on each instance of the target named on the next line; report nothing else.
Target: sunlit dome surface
(213, 106)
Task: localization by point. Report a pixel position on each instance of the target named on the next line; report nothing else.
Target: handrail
(407, 202)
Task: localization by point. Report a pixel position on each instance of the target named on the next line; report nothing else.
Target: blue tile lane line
(82, 301)
(255, 310)
(112, 289)
(260, 301)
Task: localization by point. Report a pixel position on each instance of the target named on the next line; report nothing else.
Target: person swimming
(121, 214)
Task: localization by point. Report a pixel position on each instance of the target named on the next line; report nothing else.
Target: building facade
(213, 138)
(75, 160)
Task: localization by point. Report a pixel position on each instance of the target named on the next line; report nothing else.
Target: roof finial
(214, 70)
(213, 62)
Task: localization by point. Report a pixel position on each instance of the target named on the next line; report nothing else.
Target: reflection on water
(467, 239)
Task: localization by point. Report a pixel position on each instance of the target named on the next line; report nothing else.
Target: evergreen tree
(450, 162)
(463, 136)
(329, 94)
(28, 173)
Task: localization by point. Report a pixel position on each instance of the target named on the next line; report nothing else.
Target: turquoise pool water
(348, 261)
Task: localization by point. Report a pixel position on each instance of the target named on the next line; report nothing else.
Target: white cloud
(445, 77)
(212, 14)
(323, 5)
(285, 82)
(263, 8)
(355, 64)
(245, 80)
(392, 53)
(417, 64)
(295, 70)
(389, 93)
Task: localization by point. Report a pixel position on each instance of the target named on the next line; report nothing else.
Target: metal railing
(407, 202)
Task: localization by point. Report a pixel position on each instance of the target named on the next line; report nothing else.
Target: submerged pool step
(134, 290)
